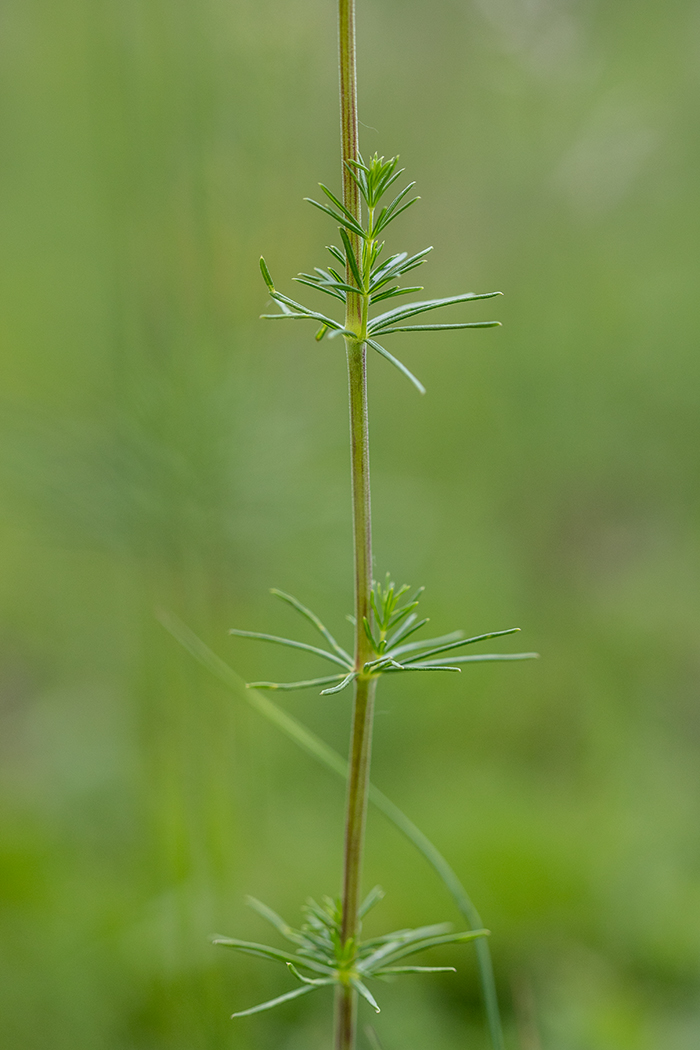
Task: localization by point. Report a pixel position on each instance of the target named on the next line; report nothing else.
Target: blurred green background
(162, 447)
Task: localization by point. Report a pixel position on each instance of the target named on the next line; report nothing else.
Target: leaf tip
(266, 274)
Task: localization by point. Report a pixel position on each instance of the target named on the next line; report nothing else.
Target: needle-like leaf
(375, 895)
(309, 980)
(460, 642)
(342, 220)
(336, 253)
(352, 261)
(313, 620)
(265, 952)
(364, 991)
(320, 286)
(341, 685)
(287, 686)
(401, 313)
(417, 946)
(274, 919)
(305, 988)
(414, 969)
(266, 274)
(291, 644)
(441, 327)
(339, 204)
(481, 659)
(397, 364)
(454, 636)
(391, 293)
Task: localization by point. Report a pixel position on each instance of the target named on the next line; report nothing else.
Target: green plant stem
(363, 706)
(319, 750)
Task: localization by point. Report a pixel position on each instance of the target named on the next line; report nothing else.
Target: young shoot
(365, 273)
(322, 958)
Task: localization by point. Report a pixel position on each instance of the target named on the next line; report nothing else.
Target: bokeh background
(162, 447)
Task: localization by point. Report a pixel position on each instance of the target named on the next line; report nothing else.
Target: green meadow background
(163, 448)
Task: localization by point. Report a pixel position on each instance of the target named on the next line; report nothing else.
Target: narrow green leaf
(341, 685)
(401, 614)
(287, 317)
(368, 631)
(360, 182)
(481, 659)
(391, 293)
(374, 896)
(313, 620)
(263, 951)
(342, 221)
(441, 327)
(400, 939)
(414, 969)
(352, 261)
(426, 643)
(394, 215)
(336, 253)
(305, 988)
(367, 947)
(274, 919)
(462, 641)
(339, 204)
(318, 981)
(397, 265)
(406, 630)
(421, 667)
(429, 942)
(285, 300)
(291, 644)
(287, 686)
(364, 991)
(397, 364)
(385, 215)
(385, 184)
(401, 313)
(266, 274)
(328, 289)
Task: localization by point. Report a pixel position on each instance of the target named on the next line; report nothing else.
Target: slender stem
(361, 504)
(363, 708)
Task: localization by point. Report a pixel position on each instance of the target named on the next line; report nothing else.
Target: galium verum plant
(327, 948)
